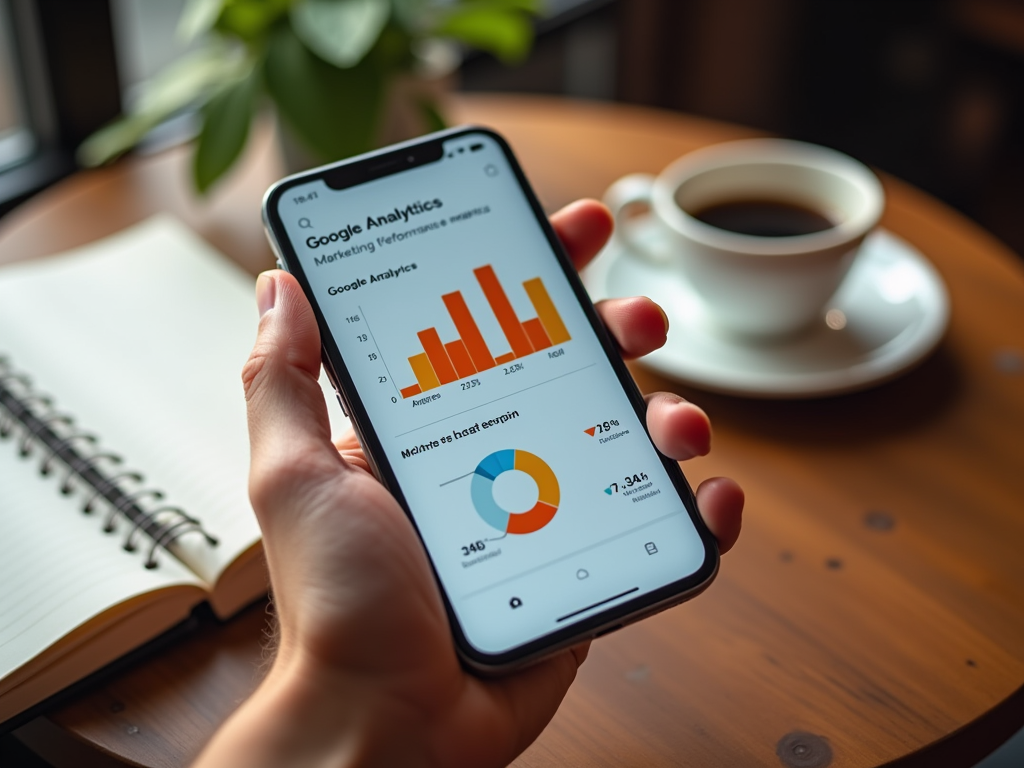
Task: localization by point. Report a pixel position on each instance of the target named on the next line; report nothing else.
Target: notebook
(123, 452)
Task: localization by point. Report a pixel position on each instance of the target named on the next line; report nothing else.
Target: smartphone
(488, 396)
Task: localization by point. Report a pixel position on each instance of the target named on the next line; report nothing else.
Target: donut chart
(482, 491)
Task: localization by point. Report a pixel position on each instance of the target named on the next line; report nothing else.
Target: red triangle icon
(591, 431)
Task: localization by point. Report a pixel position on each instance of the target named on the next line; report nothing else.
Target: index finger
(583, 227)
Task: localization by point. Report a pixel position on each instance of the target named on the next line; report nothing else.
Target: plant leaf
(226, 119)
(529, 6)
(505, 33)
(113, 140)
(197, 17)
(334, 112)
(340, 32)
(250, 20)
(411, 15)
(190, 79)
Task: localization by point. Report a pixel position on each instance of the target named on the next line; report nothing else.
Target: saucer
(890, 312)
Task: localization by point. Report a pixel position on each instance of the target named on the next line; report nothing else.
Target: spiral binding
(123, 492)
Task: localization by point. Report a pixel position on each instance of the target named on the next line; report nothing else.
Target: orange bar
(410, 391)
(459, 356)
(467, 328)
(424, 372)
(506, 358)
(538, 336)
(502, 309)
(546, 311)
(439, 360)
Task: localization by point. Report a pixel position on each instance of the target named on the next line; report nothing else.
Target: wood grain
(876, 597)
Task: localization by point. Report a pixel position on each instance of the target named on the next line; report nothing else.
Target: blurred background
(929, 90)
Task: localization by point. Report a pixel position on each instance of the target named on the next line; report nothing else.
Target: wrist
(306, 715)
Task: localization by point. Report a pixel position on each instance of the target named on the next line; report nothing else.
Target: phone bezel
(417, 153)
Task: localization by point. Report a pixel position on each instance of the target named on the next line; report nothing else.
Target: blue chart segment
(482, 491)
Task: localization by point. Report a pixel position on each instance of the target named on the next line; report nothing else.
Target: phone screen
(540, 497)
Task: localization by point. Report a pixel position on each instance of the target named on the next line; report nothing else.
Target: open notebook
(123, 452)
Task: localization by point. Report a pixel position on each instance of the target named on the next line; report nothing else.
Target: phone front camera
(411, 159)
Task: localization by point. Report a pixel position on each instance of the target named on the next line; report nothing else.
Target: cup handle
(631, 192)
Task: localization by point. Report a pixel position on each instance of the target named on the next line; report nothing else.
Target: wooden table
(874, 607)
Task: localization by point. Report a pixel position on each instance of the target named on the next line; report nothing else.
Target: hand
(365, 671)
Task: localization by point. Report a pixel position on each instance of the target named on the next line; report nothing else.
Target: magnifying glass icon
(305, 223)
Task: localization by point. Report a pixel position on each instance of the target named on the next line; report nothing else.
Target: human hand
(366, 671)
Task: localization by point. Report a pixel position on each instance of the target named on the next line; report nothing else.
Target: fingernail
(266, 293)
(664, 316)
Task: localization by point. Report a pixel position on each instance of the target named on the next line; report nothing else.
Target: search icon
(305, 223)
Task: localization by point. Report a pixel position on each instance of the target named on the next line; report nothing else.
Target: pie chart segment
(533, 519)
(482, 491)
(496, 463)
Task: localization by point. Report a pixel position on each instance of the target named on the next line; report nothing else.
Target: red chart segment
(444, 362)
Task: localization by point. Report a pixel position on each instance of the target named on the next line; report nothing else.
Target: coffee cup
(762, 230)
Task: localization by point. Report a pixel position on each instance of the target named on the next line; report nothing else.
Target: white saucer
(890, 312)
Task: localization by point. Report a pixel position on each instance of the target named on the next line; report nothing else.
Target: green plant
(325, 64)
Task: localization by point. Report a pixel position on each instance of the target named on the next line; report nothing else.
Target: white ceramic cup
(758, 286)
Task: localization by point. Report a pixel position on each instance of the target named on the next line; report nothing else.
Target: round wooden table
(873, 611)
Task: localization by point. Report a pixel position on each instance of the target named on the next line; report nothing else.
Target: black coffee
(763, 218)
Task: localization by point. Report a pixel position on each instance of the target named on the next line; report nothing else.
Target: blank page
(57, 568)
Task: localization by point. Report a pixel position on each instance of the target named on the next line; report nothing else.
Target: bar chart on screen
(460, 359)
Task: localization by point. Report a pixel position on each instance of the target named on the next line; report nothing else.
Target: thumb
(289, 431)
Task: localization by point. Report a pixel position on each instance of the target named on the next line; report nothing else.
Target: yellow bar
(546, 311)
(424, 372)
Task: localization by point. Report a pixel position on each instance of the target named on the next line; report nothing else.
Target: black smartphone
(488, 396)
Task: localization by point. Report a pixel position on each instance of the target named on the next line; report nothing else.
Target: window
(15, 137)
